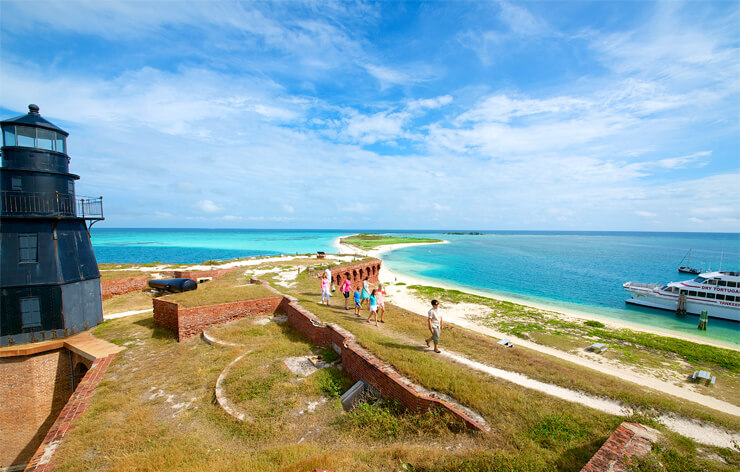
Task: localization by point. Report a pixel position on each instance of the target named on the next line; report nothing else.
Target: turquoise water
(579, 271)
(575, 270)
(191, 246)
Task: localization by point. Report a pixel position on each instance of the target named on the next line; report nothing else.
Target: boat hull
(726, 310)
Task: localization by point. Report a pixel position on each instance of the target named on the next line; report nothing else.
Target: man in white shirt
(434, 320)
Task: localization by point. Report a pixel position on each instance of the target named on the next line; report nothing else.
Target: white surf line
(124, 313)
(699, 432)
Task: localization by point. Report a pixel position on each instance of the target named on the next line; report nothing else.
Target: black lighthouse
(49, 278)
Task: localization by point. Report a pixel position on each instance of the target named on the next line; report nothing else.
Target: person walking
(325, 293)
(357, 301)
(345, 289)
(380, 296)
(365, 294)
(434, 320)
(373, 308)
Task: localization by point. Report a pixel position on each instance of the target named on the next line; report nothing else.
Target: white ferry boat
(717, 293)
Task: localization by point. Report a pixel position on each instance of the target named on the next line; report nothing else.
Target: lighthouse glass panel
(26, 136)
(45, 139)
(9, 135)
(61, 145)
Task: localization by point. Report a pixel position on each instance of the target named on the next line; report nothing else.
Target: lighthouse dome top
(33, 118)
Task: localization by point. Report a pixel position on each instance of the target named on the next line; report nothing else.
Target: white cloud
(207, 206)
(288, 208)
(646, 214)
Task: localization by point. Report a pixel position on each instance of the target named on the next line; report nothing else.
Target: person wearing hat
(434, 320)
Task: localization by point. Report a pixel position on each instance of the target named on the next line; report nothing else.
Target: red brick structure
(356, 272)
(43, 459)
(110, 288)
(629, 440)
(189, 322)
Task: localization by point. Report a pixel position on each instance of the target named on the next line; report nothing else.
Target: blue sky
(398, 115)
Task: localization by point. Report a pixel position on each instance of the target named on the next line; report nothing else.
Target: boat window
(710, 295)
(702, 294)
(720, 296)
(712, 282)
(692, 293)
(729, 298)
(699, 280)
(722, 283)
(732, 284)
(683, 292)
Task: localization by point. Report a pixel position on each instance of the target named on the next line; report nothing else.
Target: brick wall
(356, 272)
(189, 322)
(43, 459)
(195, 275)
(110, 288)
(33, 391)
(629, 439)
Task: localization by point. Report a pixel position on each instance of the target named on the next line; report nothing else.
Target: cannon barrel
(174, 285)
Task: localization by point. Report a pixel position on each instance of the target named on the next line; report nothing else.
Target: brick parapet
(627, 441)
(43, 459)
(356, 272)
(357, 361)
(197, 274)
(110, 288)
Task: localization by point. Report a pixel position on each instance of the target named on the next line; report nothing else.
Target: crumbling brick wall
(189, 322)
(33, 391)
(110, 288)
(629, 440)
(356, 272)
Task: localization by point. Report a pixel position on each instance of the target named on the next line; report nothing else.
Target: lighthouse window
(16, 183)
(9, 135)
(61, 145)
(26, 136)
(70, 187)
(45, 139)
(30, 313)
(28, 248)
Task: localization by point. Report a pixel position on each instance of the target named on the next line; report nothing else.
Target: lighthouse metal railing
(61, 205)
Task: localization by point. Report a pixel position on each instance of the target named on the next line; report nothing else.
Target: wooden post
(703, 320)
(681, 308)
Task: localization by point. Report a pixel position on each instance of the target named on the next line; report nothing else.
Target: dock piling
(703, 321)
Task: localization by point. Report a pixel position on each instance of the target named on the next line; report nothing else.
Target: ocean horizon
(573, 270)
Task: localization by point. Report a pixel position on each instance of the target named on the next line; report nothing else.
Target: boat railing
(641, 285)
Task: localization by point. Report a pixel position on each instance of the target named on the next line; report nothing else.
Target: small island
(370, 241)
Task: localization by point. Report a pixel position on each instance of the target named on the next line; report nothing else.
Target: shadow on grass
(575, 458)
(411, 347)
(157, 332)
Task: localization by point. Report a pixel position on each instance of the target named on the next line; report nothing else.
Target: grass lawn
(644, 351)
(154, 409)
(371, 241)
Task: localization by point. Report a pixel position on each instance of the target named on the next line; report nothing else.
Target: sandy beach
(460, 315)
(404, 298)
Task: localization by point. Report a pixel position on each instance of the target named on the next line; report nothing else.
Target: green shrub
(594, 324)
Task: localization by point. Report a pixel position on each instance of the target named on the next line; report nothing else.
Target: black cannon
(174, 285)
